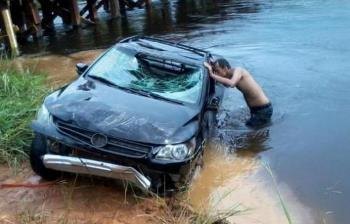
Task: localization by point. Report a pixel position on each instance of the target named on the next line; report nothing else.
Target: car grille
(114, 145)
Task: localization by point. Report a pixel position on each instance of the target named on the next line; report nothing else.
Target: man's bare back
(260, 106)
(252, 92)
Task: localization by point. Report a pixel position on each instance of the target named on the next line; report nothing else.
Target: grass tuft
(178, 210)
(283, 204)
(32, 216)
(20, 95)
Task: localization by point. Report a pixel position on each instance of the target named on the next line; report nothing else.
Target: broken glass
(165, 77)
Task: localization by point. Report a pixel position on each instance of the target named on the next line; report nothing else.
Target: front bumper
(156, 171)
(98, 168)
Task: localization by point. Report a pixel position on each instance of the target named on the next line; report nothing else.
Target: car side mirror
(81, 68)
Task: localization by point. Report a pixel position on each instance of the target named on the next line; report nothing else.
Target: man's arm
(225, 81)
(237, 75)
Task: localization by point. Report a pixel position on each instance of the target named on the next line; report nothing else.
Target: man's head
(221, 67)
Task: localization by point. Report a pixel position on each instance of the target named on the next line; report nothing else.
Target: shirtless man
(259, 105)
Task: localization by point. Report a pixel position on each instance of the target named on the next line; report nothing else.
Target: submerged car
(140, 113)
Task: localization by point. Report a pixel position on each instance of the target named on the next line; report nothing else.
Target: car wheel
(185, 181)
(209, 124)
(163, 187)
(199, 166)
(38, 149)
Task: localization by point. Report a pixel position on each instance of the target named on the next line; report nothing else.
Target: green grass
(178, 209)
(21, 93)
(283, 204)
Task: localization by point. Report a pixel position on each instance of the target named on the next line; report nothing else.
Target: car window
(126, 68)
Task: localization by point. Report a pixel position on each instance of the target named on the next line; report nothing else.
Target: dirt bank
(81, 200)
(225, 184)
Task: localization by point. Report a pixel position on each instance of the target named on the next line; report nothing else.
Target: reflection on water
(163, 17)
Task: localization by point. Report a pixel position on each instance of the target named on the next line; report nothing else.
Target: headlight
(175, 152)
(43, 115)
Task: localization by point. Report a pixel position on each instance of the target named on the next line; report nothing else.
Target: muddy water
(59, 69)
(242, 183)
(298, 51)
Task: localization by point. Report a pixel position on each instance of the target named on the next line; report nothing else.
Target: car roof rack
(167, 64)
(198, 51)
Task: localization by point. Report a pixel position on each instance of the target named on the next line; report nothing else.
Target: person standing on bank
(258, 103)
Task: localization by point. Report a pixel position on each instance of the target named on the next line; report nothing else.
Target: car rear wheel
(38, 150)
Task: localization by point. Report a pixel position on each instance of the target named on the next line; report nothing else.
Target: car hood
(114, 112)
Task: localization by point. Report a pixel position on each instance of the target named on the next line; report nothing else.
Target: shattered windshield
(167, 78)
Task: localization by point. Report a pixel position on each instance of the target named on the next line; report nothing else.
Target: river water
(298, 50)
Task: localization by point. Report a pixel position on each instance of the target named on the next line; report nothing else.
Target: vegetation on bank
(21, 93)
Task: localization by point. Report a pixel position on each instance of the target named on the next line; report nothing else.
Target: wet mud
(73, 200)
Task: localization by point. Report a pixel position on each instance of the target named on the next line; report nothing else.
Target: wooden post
(8, 26)
(106, 5)
(33, 10)
(114, 8)
(92, 10)
(148, 2)
(32, 19)
(63, 9)
(75, 13)
(47, 15)
(17, 14)
(99, 4)
(122, 7)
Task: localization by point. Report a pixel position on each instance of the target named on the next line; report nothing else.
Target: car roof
(165, 49)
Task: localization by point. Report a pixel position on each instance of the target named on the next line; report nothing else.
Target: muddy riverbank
(233, 184)
(80, 200)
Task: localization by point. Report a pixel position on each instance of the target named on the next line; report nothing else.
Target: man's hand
(210, 69)
(228, 82)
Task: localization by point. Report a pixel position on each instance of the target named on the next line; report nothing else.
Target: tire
(163, 187)
(209, 124)
(198, 168)
(39, 149)
(186, 181)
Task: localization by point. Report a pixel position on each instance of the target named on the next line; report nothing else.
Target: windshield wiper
(103, 80)
(134, 90)
(154, 95)
(157, 96)
(108, 82)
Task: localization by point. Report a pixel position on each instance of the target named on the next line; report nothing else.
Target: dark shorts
(260, 115)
